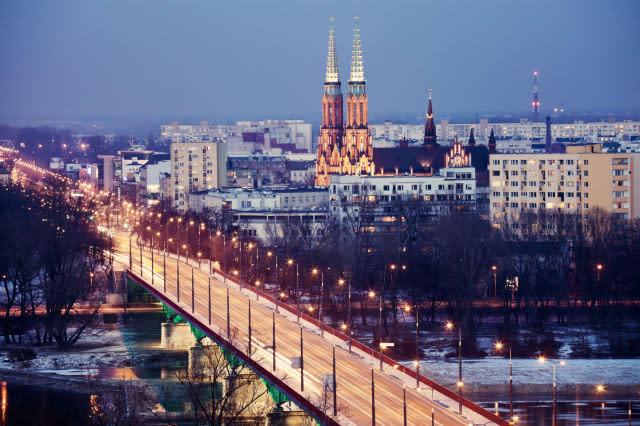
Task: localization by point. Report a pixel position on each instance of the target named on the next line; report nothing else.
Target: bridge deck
(353, 370)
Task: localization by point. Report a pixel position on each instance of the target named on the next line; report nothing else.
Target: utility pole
(193, 305)
(373, 400)
(460, 366)
(130, 255)
(164, 271)
(209, 295)
(335, 390)
(249, 327)
(228, 316)
(301, 362)
(274, 339)
(404, 405)
(178, 275)
(297, 292)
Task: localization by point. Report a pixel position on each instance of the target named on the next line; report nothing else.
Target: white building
(292, 199)
(149, 180)
(378, 197)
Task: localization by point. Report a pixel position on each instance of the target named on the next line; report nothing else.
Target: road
(353, 370)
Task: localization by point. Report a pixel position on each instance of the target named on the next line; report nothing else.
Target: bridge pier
(176, 336)
(289, 418)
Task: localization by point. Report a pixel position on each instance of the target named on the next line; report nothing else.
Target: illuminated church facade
(345, 147)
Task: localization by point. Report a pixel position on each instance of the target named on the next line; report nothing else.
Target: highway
(353, 370)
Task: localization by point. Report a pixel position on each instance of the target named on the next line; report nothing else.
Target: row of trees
(51, 256)
(539, 269)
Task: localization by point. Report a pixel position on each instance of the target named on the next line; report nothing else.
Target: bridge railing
(366, 349)
(255, 366)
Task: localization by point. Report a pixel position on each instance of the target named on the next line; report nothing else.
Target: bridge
(293, 351)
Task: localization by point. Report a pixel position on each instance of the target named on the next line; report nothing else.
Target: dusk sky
(221, 60)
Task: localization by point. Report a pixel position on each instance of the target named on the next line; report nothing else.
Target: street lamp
(224, 253)
(494, 268)
(290, 262)
(599, 269)
(449, 326)
(372, 295)
(315, 271)
(348, 325)
(499, 345)
(407, 309)
(269, 254)
(542, 360)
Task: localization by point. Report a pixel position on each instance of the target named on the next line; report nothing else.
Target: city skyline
(274, 69)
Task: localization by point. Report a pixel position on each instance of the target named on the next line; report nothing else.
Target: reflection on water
(568, 412)
(30, 405)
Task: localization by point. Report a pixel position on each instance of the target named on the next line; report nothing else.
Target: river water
(30, 405)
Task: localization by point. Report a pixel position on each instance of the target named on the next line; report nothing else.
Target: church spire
(430, 127)
(357, 69)
(492, 142)
(332, 58)
(472, 140)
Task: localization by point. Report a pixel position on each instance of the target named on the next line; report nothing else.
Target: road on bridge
(354, 371)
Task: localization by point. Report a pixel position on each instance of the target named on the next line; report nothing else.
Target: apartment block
(577, 181)
(196, 166)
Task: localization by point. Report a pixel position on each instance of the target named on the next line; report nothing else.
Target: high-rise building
(196, 166)
(576, 181)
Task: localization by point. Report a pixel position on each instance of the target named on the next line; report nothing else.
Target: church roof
(423, 159)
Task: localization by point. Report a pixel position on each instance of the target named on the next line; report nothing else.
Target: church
(345, 148)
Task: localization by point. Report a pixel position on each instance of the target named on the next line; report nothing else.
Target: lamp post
(315, 271)
(499, 346)
(91, 275)
(289, 263)
(224, 254)
(190, 223)
(460, 383)
(494, 268)
(347, 327)
(200, 228)
(417, 362)
(275, 254)
(542, 360)
(599, 269)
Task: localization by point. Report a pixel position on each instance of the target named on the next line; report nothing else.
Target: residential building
(376, 203)
(600, 131)
(260, 212)
(196, 166)
(149, 192)
(577, 181)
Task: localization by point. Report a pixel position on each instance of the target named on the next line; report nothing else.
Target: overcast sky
(218, 60)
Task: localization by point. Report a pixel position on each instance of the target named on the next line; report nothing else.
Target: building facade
(576, 181)
(196, 166)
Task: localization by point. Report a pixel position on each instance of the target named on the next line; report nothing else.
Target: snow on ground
(103, 349)
(530, 371)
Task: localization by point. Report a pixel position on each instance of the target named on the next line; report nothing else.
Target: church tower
(357, 149)
(331, 132)
(430, 127)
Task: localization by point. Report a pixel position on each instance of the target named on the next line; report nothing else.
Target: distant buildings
(600, 131)
(196, 166)
(245, 137)
(577, 181)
